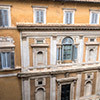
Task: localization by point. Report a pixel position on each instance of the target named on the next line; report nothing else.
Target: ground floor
(62, 84)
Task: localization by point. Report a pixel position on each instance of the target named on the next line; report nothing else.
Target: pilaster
(80, 49)
(78, 86)
(25, 89)
(53, 88)
(25, 52)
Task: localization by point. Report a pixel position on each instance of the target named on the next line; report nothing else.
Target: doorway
(65, 92)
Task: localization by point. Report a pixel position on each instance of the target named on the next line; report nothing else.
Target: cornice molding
(7, 5)
(81, 1)
(56, 27)
(39, 45)
(39, 6)
(62, 71)
(69, 79)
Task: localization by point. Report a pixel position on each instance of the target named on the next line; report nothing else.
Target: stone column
(80, 49)
(25, 89)
(53, 88)
(78, 86)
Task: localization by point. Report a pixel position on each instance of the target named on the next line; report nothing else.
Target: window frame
(71, 49)
(8, 8)
(6, 59)
(91, 13)
(34, 14)
(64, 15)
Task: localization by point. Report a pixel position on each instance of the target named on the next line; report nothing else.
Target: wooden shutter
(9, 59)
(68, 17)
(42, 16)
(74, 56)
(12, 60)
(0, 62)
(5, 17)
(94, 18)
(58, 52)
(37, 16)
(1, 18)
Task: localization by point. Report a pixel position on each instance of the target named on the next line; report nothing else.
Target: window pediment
(92, 43)
(6, 42)
(70, 79)
(39, 45)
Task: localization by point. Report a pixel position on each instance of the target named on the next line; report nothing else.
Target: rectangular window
(65, 92)
(68, 17)
(39, 41)
(4, 18)
(94, 18)
(40, 15)
(6, 60)
(67, 52)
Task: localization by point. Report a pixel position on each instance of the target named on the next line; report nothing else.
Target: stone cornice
(56, 27)
(85, 1)
(39, 6)
(92, 43)
(39, 45)
(60, 71)
(69, 79)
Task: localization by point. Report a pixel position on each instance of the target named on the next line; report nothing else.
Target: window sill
(67, 61)
(39, 45)
(11, 27)
(10, 69)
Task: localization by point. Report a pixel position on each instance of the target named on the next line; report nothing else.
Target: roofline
(78, 1)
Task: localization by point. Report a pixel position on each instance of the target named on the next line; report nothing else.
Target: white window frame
(34, 14)
(6, 60)
(97, 12)
(9, 13)
(73, 14)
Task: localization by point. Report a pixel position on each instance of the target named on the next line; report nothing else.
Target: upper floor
(12, 12)
(51, 38)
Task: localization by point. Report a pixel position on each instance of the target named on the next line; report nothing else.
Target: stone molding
(56, 70)
(39, 45)
(30, 26)
(92, 43)
(6, 42)
(81, 1)
(39, 6)
(70, 79)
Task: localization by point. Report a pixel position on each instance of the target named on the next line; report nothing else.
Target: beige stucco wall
(10, 88)
(21, 11)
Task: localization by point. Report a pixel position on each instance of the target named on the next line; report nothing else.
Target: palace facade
(50, 50)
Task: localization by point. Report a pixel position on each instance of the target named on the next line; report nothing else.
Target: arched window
(40, 58)
(67, 48)
(88, 88)
(40, 94)
(91, 55)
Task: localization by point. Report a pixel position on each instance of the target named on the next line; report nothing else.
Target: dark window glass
(65, 92)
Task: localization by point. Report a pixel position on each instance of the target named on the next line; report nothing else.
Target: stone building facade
(50, 50)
